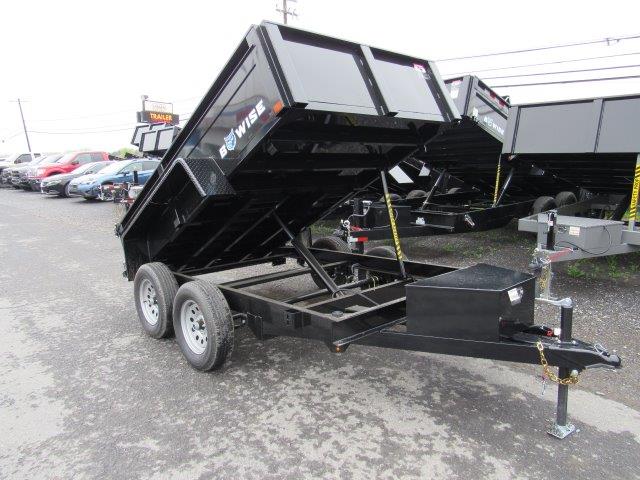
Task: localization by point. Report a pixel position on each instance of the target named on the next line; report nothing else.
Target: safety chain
(572, 379)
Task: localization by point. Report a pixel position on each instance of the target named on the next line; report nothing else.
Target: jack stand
(561, 428)
(541, 262)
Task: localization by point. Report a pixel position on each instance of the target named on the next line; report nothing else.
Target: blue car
(88, 186)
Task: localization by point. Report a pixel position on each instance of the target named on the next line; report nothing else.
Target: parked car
(59, 184)
(88, 186)
(17, 176)
(17, 159)
(67, 163)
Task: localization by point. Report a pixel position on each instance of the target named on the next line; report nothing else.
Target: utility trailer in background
(296, 124)
(593, 144)
(458, 170)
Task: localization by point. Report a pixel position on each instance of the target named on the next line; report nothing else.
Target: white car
(16, 159)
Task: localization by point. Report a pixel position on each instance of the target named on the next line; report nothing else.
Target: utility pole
(285, 11)
(24, 126)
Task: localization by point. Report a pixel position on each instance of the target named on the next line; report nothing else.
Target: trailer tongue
(296, 124)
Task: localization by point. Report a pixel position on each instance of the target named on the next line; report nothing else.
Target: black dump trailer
(295, 124)
(594, 145)
(454, 177)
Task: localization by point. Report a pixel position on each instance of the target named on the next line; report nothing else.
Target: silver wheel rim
(194, 329)
(149, 302)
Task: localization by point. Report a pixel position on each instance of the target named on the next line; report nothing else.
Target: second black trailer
(455, 176)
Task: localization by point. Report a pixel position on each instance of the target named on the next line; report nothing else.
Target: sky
(82, 66)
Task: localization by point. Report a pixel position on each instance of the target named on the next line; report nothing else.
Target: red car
(67, 163)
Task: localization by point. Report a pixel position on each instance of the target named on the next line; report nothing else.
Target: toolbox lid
(477, 277)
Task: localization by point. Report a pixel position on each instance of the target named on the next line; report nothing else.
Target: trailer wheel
(393, 196)
(542, 204)
(416, 194)
(565, 198)
(385, 252)
(335, 244)
(203, 324)
(154, 288)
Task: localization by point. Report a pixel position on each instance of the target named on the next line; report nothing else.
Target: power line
(541, 64)
(17, 134)
(563, 72)
(566, 81)
(608, 41)
(82, 133)
(89, 129)
(286, 11)
(104, 114)
(82, 117)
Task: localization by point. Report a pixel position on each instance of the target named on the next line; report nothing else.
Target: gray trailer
(296, 124)
(594, 144)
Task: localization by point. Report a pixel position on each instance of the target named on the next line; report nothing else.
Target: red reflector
(362, 239)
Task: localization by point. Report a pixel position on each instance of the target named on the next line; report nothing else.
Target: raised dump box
(590, 143)
(295, 124)
(454, 175)
(469, 150)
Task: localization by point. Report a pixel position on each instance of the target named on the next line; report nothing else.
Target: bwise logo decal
(231, 140)
(491, 124)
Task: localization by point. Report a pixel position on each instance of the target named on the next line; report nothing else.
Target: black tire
(335, 244)
(565, 198)
(65, 190)
(416, 194)
(393, 196)
(214, 314)
(165, 286)
(385, 252)
(454, 190)
(542, 204)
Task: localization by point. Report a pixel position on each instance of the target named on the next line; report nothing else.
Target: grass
(450, 248)
(614, 267)
(322, 230)
(574, 270)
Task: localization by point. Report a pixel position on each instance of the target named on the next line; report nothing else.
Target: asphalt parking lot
(85, 394)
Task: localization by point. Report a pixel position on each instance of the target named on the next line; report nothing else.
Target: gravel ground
(84, 394)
